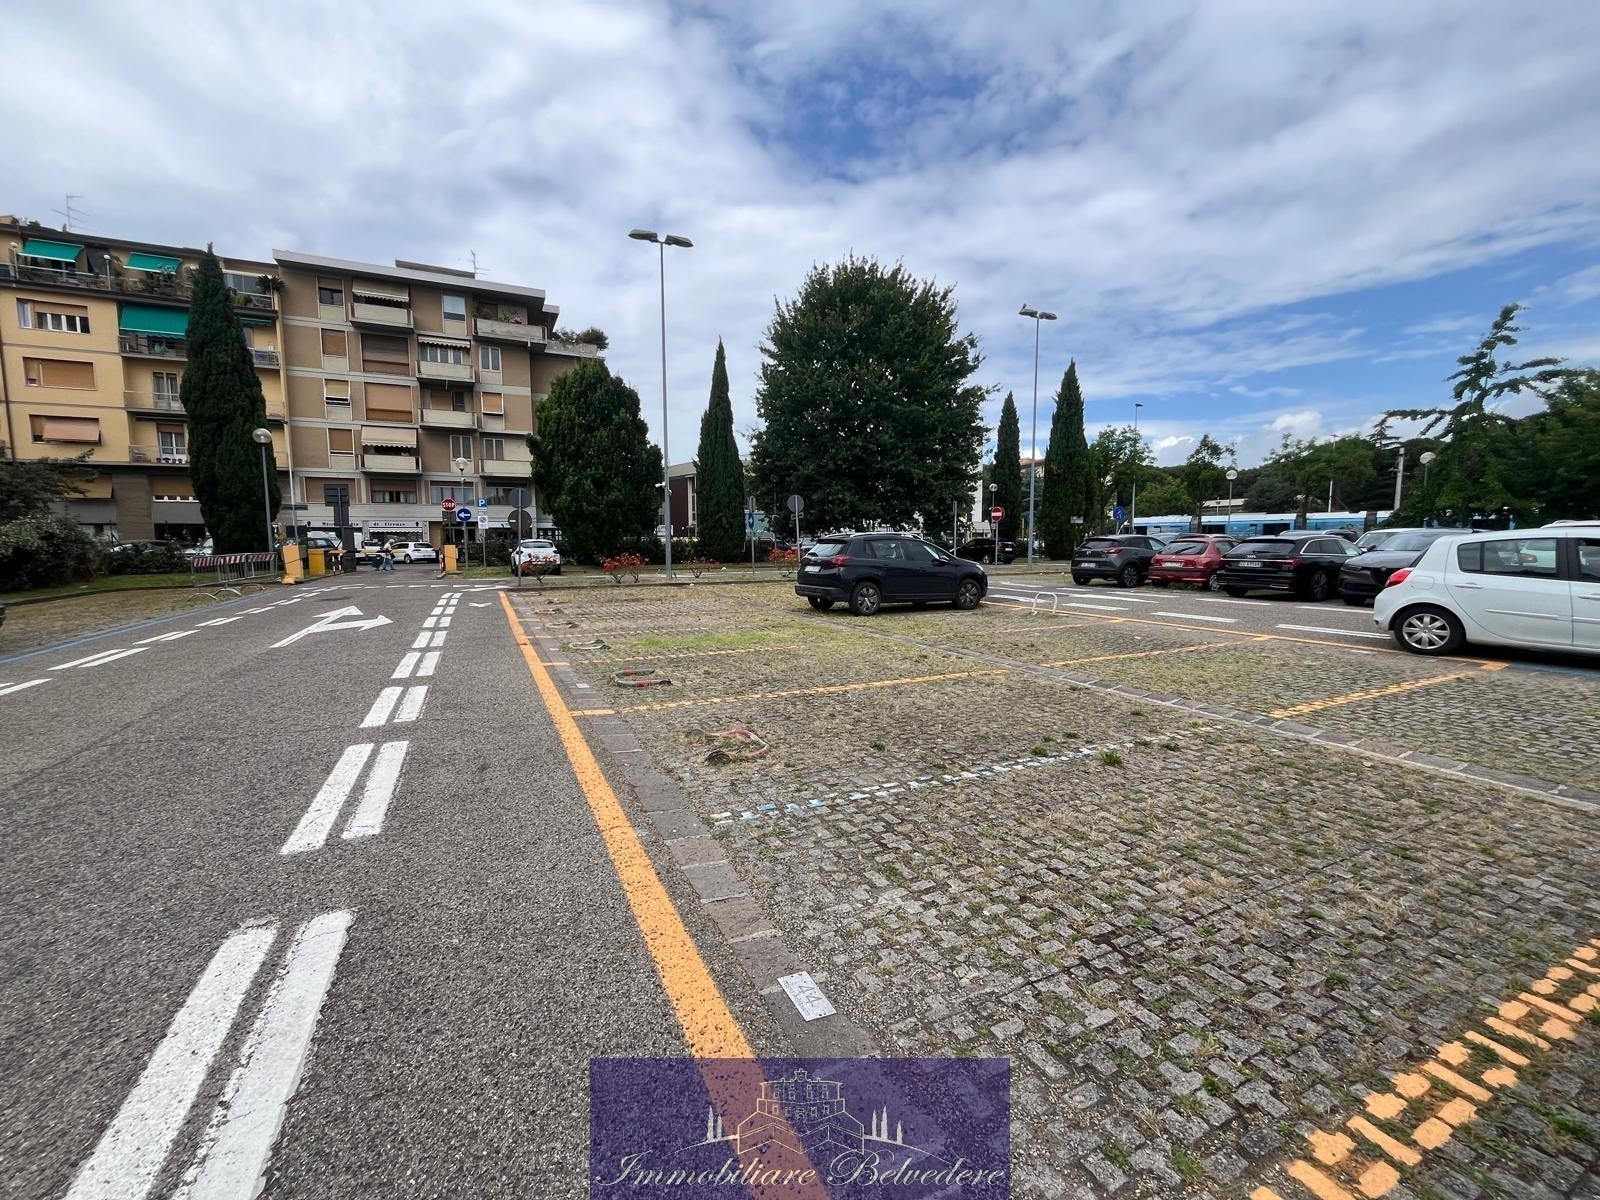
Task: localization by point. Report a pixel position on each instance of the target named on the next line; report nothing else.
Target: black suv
(1367, 574)
(1307, 564)
(868, 570)
(981, 549)
(1124, 557)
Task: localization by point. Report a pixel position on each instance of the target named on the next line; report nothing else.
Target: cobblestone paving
(1198, 943)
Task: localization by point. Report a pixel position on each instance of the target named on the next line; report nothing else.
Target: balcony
(144, 345)
(447, 418)
(380, 316)
(264, 358)
(402, 464)
(515, 459)
(160, 403)
(157, 455)
(445, 371)
(509, 331)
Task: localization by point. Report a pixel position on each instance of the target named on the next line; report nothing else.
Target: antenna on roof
(472, 256)
(68, 213)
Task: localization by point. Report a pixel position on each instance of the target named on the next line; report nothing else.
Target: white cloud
(1164, 177)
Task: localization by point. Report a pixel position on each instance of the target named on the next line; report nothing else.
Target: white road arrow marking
(330, 622)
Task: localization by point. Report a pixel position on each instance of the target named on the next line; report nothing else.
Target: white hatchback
(1538, 588)
(535, 554)
(408, 552)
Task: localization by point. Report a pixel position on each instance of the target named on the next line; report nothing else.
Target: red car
(1191, 558)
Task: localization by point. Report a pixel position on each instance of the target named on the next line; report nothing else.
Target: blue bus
(1246, 524)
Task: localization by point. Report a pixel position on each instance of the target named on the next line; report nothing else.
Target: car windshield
(829, 549)
(1411, 541)
(1378, 537)
(1263, 546)
(1188, 548)
(1100, 543)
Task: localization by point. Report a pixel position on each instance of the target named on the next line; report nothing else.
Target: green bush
(136, 560)
(43, 551)
(498, 545)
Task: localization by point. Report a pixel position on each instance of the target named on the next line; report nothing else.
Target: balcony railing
(151, 346)
(163, 402)
(264, 358)
(513, 460)
(446, 418)
(385, 316)
(453, 372)
(402, 463)
(156, 454)
(509, 331)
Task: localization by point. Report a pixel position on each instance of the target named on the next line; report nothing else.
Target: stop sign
(996, 513)
(448, 504)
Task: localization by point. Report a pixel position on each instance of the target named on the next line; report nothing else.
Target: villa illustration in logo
(807, 1114)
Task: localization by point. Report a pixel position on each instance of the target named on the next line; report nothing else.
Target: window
(335, 344)
(393, 496)
(80, 430)
(58, 373)
(887, 548)
(438, 490)
(461, 445)
(436, 353)
(1534, 557)
(330, 292)
(336, 493)
(385, 355)
(1589, 558)
(494, 449)
(238, 281)
(25, 313)
(341, 443)
(164, 386)
(388, 402)
(336, 392)
(455, 308)
(458, 402)
(499, 493)
(172, 443)
(489, 358)
(494, 404)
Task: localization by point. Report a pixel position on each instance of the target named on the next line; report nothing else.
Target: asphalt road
(236, 871)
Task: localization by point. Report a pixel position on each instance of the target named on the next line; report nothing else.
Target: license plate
(1085, 564)
(1171, 562)
(813, 567)
(1250, 564)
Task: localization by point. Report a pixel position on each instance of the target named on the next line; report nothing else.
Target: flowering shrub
(698, 566)
(623, 564)
(786, 558)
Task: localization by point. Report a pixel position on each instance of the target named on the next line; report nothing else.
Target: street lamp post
(463, 465)
(263, 438)
(1227, 517)
(1035, 315)
(994, 526)
(1133, 501)
(662, 242)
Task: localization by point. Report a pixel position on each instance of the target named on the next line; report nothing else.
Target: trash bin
(347, 562)
(316, 561)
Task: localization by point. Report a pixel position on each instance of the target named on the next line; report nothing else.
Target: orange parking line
(1393, 689)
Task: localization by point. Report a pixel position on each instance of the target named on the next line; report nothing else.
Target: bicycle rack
(1055, 603)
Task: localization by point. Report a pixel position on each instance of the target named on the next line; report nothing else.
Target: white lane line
(1342, 611)
(7, 689)
(1197, 617)
(378, 714)
(1225, 600)
(408, 664)
(312, 831)
(438, 640)
(220, 621)
(1382, 637)
(165, 637)
(131, 1151)
(411, 706)
(105, 656)
(1008, 596)
(250, 612)
(368, 817)
(444, 622)
(1098, 607)
(430, 660)
(422, 641)
(251, 1111)
(429, 622)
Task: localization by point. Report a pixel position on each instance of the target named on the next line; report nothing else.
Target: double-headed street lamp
(671, 239)
(263, 438)
(1034, 315)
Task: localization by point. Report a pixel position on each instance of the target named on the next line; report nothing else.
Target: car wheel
(1128, 577)
(820, 603)
(989, 558)
(406, 560)
(968, 594)
(1428, 630)
(1354, 601)
(1319, 587)
(865, 599)
(1213, 582)
(1081, 580)
(1235, 591)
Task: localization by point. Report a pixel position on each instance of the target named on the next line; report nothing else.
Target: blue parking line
(122, 629)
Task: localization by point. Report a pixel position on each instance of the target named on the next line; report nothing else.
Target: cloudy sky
(1251, 217)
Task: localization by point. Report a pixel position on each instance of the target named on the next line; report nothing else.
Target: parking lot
(1221, 878)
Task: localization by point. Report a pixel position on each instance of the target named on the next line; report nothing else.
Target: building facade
(390, 388)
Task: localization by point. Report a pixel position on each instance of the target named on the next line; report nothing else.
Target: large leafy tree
(866, 392)
(1119, 461)
(596, 469)
(222, 395)
(719, 475)
(1166, 497)
(1008, 493)
(1565, 442)
(1069, 473)
(1204, 477)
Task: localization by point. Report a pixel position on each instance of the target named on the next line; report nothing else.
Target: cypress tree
(719, 475)
(1068, 472)
(222, 396)
(1008, 493)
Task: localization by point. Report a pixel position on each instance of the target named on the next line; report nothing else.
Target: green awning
(60, 251)
(146, 318)
(247, 320)
(153, 262)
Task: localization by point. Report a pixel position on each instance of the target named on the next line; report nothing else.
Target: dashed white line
(1098, 607)
(444, 622)
(1196, 617)
(251, 1111)
(430, 660)
(220, 621)
(408, 663)
(411, 706)
(133, 1148)
(429, 622)
(7, 689)
(312, 831)
(379, 790)
(165, 637)
(422, 641)
(1346, 611)
(378, 714)
(438, 640)
(105, 656)
(1225, 600)
(1382, 637)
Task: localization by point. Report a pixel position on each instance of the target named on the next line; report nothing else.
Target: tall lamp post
(1133, 502)
(463, 465)
(263, 438)
(994, 526)
(1227, 517)
(671, 239)
(1035, 316)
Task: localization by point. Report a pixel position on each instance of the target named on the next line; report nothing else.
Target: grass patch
(1338, 979)
(109, 583)
(1111, 758)
(1116, 1153)
(1188, 1166)
(879, 745)
(1571, 1126)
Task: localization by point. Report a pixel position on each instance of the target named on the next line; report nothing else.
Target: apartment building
(390, 388)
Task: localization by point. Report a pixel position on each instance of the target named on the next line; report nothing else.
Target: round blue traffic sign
(464, 516)
(1118, 513)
